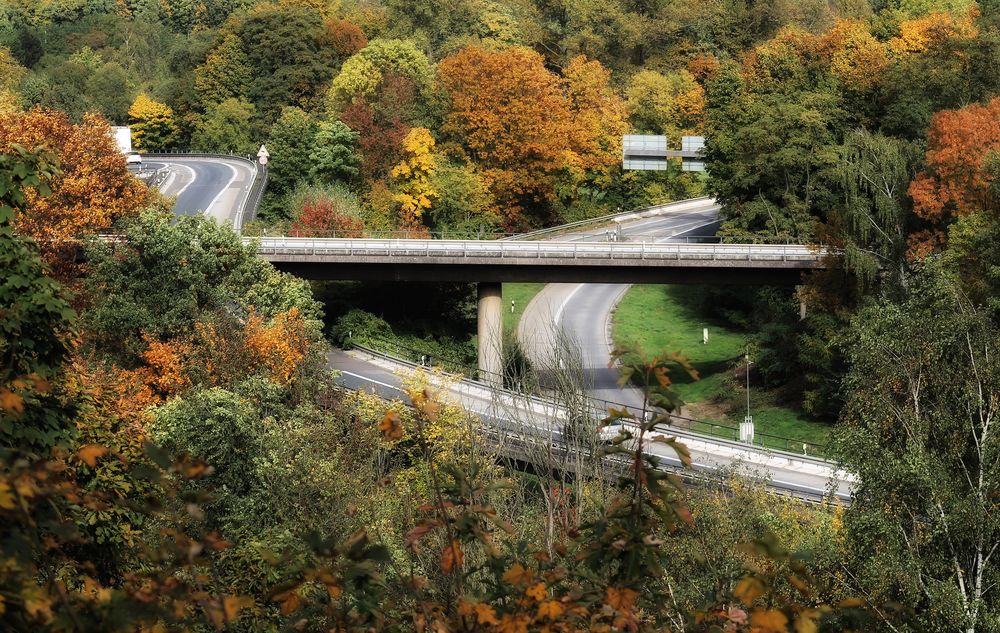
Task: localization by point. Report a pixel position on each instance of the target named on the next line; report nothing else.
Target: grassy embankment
(522, 294)
(677, 326)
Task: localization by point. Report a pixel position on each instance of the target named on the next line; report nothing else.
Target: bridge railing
(597, 408)
(535, 250)
(610, 236)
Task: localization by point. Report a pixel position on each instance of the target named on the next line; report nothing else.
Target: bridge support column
(490, 332)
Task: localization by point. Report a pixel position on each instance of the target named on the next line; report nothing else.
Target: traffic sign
(263, 155)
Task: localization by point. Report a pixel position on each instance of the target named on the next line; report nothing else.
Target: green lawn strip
(522, 294)
(658, 319)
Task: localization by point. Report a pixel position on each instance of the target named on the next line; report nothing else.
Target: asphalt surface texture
(573, 320)
(217, 188)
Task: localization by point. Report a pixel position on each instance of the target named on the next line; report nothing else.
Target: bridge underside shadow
(773, 274)
(490, 276)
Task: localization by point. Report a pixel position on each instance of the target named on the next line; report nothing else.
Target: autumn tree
(598, 113)
(94, 191)
(11, 74)
(509, 112)
(331, 211)
(412, 176)
(957, 179)
(855, 56)
(345, 37)
(153, 124)
(670, 104)
(918, 35)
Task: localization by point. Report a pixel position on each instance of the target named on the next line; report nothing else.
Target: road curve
(578, 316)
(217, 187)
(801, 477)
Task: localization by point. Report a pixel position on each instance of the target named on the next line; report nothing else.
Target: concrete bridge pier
(490, 329)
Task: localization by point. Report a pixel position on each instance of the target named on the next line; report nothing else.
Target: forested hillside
(513, 111)
(175, 454)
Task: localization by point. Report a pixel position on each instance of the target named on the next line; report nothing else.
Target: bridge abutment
(490, 330)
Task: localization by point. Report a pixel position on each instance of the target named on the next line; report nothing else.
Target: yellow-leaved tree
(153, 124)
(412, 177)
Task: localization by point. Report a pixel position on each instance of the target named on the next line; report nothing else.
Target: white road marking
(194, 176)
(208, 211)
(169, 180)
(562, 306)
(371, 380)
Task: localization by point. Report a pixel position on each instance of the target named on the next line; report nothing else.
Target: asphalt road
(523, 417)
(215, 187)
(574, 319)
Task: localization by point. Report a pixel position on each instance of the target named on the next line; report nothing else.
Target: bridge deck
(471, 260)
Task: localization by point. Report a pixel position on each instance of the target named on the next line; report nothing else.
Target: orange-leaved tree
(957, 179)
(95, 188)
(329, 216)
(510, 114)
(280, 345)
(924, 33)
(856, 58)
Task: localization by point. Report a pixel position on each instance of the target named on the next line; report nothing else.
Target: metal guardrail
(603, 219)
(515, 444)
(536, 250)
(598, 407)
(485, 237)
(257, 191)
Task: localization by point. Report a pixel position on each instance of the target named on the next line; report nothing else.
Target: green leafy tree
(334, 155)
(189, 270)
(876, 172)
(35, 331)
(290, 144)
(464, 203)
(923, 527)
(226, 127)
(110, 91)
(292, 62)
(225, 74)
(361, 75)
(772, 157)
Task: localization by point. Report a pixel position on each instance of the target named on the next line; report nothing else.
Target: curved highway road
(577, 316)
(217, 187)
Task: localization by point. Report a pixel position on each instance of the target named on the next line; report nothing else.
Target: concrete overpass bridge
(490, 263)
(542, 261)
(562, 259)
